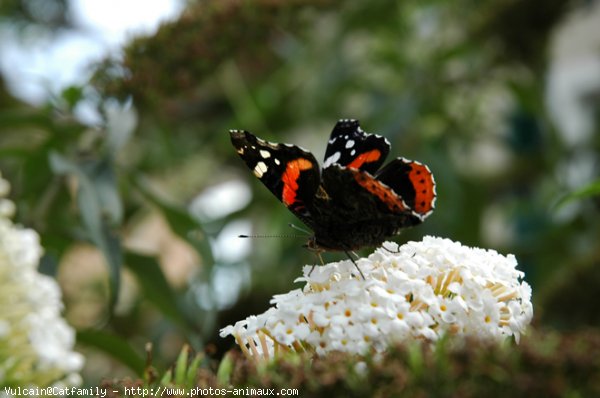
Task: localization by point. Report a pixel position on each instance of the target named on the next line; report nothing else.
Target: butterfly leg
(392, 251)
(318, 253)
(356, 265)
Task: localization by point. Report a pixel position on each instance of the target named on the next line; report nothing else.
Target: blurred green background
(139, 205)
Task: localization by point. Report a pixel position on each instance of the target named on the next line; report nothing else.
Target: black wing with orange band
(350, 146)
(288, 171)
(413, 182)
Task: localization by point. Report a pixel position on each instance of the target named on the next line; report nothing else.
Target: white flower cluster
(35, 341)
(422, 290)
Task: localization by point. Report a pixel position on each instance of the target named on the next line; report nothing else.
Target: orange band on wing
(377, 188)
(367, 157)
(290, 179)
(424, 185)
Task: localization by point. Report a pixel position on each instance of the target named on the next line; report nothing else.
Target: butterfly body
(352, 203)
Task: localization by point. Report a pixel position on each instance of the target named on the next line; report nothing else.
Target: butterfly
(353, 202)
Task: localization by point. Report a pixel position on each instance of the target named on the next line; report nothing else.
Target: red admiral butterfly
(352, 203)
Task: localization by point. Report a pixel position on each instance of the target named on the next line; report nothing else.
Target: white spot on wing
(353, 152)
(349, 144)
(332, 159)
(265, 154)
(260, 169)
(277, 162)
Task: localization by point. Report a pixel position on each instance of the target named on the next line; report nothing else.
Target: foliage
(590, 190)
(543, 365)
(36, 345)
(50, 14)
(68, 187)
(456, 85)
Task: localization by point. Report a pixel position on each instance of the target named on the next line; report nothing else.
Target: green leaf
(192, 371)
(97, 196)
(121, 123)
(167, 378)
(24, 117)
(103, 176)
(181, 366)
(592, 189)
(115, 346)
(18, 153)
(36, 176)
(415, 359)
(154, 286)
(72, 95)
(19, 118)
(226, 368)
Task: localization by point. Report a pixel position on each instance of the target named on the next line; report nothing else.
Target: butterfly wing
(350, 146)
(413, 182)
(356, 210)
(288, 171)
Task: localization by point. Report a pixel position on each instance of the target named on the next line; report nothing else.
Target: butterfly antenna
(356, 265)
(297, 228)
(271, 236)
